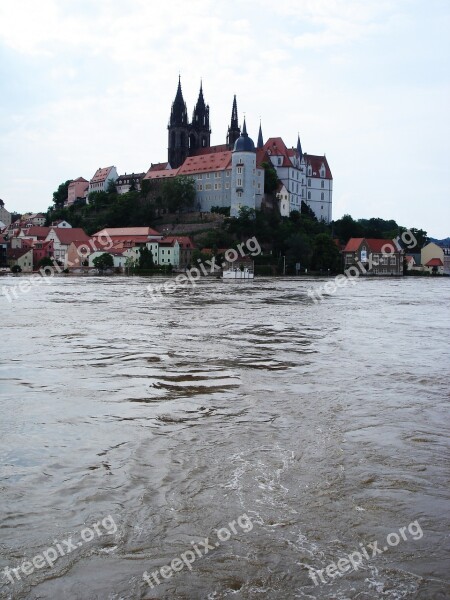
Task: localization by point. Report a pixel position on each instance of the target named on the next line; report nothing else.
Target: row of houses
(73, 249)
(385, 257)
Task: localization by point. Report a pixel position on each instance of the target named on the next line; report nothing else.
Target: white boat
(236, 273)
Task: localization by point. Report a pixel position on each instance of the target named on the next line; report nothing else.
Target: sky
(90, 84)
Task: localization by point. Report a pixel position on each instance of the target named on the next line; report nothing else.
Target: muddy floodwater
(236, 439)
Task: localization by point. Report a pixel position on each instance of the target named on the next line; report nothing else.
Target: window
(239, 170)
(321, 208)
(207, 186)
(227, 186)
(322, 196)
(322, 184)
(227, 174)
(216, 175)
(348, 259)
(239, 182)
(208, 175)
(199, 176)
(309, 195)
(217, 186)
(279, 161)
(199, 187)
(309, 182)
(392, 260)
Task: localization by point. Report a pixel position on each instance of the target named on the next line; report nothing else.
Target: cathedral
(231, 175)
(185, 138)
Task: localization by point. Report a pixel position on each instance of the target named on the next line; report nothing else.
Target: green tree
(178, 193)
(271, 180)
(16, 269)
(325, 254)
(347, 228)
(111, 187)
(307, 210)
(46, 261)
(146, 259)
(60, 196)
(298, 249)
(104, 261)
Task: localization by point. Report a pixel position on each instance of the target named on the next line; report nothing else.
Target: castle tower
(243, 167)
(234, 131)
(199, 132)
(178, 127)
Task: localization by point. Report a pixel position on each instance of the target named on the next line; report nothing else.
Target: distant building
(77, 191)
(173, 250)
(3, 251)
(5, 216)
(101, 180)
(62, 238)
(223, 178)
(282, 196)
(305, 176)
(126, 182)
(23, 257)
(373, 257)
(432, 258)
(61, 224)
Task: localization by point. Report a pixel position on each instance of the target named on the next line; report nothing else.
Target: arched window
(309, 195)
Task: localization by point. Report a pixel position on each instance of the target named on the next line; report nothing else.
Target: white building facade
(306, 177)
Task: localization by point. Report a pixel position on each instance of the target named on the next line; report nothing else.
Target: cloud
(91, 84)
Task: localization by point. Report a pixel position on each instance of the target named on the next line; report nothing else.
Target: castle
(232, 174)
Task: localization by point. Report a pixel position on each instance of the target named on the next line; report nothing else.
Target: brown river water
(289, 434)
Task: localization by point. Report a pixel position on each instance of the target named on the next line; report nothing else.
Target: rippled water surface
(326, 424)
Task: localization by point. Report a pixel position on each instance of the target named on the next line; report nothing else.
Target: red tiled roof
(435, 262)
(126, 232)
(276, 147)
(316, 162)
(164, 173)
(79, 179)
(16, 253)
(206, 163)
(69, 235)
(101, 175)
(184, 241)
(353, 244)
(210, 150)
(374, 245)
(262, 156)
(36, 231)
(159, 166)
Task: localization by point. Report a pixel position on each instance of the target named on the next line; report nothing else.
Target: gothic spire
(299, 147)
(244, 129)
(233, 130)
(260, 143)
(200, 116)
(178, 114)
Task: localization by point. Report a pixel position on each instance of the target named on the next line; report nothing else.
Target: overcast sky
(87, 84)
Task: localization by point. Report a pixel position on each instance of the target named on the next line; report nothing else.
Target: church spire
(260, 143)
(299, 147)
(233, 130)
(178, 114)
(200, 116)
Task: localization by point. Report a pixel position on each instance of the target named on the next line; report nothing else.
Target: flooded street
(316, 429)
